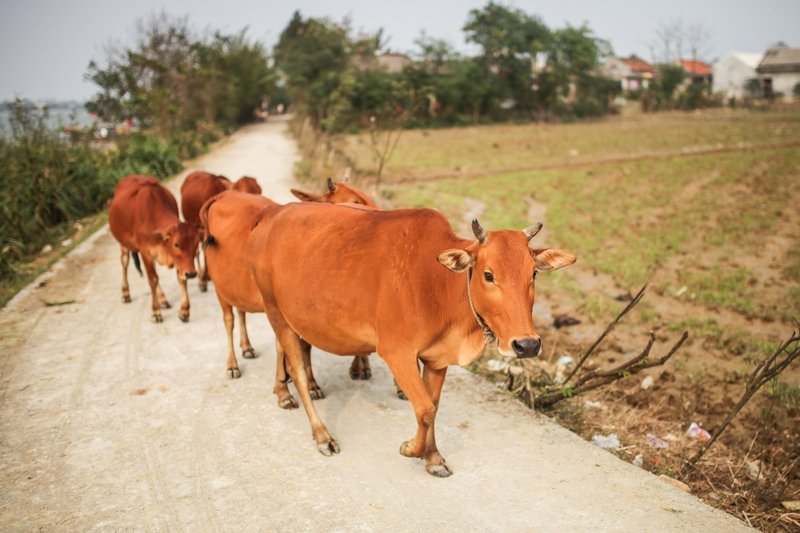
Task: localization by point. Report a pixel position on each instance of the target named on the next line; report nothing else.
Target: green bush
(50, 180)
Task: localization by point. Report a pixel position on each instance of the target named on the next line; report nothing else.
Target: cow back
(139, 207)
(197, 189)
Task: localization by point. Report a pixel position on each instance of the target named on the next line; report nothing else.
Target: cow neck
(488, 335)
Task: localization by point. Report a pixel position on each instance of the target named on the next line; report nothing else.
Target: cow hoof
(402, 395)
(364, 374)
(165, 305)
(183, 317)
(439, 470)
(328, 448)
(249, 353)
(288, 402)
(234, 373)
(203, 288)
(316, 393)
(157, 319)
(126, 299)
(407, 449)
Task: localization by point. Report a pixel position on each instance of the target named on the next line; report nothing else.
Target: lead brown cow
(227, 219)
(143, 217)
(354, 281)
(197, 189)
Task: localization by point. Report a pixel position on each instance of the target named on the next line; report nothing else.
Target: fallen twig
(766, 371)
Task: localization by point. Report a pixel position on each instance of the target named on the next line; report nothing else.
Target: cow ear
(456, 259)
(306, 196)
(552, 259)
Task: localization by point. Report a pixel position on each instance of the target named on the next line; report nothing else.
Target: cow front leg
(183, 314)
(162, 298)
(434, 462)
(423, 445)
(152, 279)
(281, 388)
(360, 368)
(313, 387)
(125, 256)
(244, 340)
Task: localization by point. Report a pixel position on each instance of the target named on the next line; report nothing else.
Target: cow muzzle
(527, 347)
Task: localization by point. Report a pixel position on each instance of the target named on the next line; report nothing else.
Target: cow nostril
(190, 275)
(518, 348)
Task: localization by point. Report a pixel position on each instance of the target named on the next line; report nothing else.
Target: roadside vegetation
(173, 90)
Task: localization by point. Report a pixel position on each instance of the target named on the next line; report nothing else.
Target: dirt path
(110, 422)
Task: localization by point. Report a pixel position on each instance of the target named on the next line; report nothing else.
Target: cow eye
(177, 245)
(488, 276)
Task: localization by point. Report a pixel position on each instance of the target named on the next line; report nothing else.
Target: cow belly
(355, 339)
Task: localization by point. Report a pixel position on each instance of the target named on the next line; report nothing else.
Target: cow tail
(137, 263)
(208, 239)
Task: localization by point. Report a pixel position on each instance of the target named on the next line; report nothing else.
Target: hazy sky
(46, 45)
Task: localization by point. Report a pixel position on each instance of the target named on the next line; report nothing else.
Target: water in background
(59, 115)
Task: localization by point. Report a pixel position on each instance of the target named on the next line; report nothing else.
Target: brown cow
(143, 217)
(354, 281)
(196, 189)
(227, 219)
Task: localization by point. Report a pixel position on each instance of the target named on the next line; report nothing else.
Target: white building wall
(730, 75)
(784, 83)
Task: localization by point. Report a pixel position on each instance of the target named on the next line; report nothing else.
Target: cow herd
(335, 272)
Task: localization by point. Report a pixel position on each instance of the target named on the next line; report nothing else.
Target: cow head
(176, 247)
(338, 193)
(502, 269)
(247, 184)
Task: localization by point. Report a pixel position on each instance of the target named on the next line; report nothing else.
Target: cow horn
(533, 229)
(480, 233)
(331, 184)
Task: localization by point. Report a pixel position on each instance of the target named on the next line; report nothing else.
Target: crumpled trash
(697, 432)
(496, 365)
(607, 442)
(638, 460)
(647, 382)
(655, 442)
(754, 470)
(565, 360)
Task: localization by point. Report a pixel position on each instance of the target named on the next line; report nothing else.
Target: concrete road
(111, 422)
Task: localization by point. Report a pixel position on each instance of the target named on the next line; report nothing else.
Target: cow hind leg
(294, 354)
(125, 257)
(162, 298)
(183, 314)
(244, 340)
(281, 388)
(313, 387)
(232, 365)
(202, 269)
(360, 368)
(423, 445)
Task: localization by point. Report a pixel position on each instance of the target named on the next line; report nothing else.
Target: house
(696, 71)
(732, 72)
(779, 71)
(390, 62)
(631, 73)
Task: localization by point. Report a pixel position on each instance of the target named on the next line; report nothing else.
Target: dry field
(704, 208)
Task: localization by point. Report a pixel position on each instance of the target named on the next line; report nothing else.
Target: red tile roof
(695, 67)
(637, 65)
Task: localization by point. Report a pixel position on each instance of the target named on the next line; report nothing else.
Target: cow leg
(423, 445)
(155, 290)
(232, 365)
(281, 388)
(399, 391)
(360, 368)
(294, 355)
(313, 387)
(125, 256)
(244, 340)
(162, 298)
(435, 463)
(183, 314)
(202, 264)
